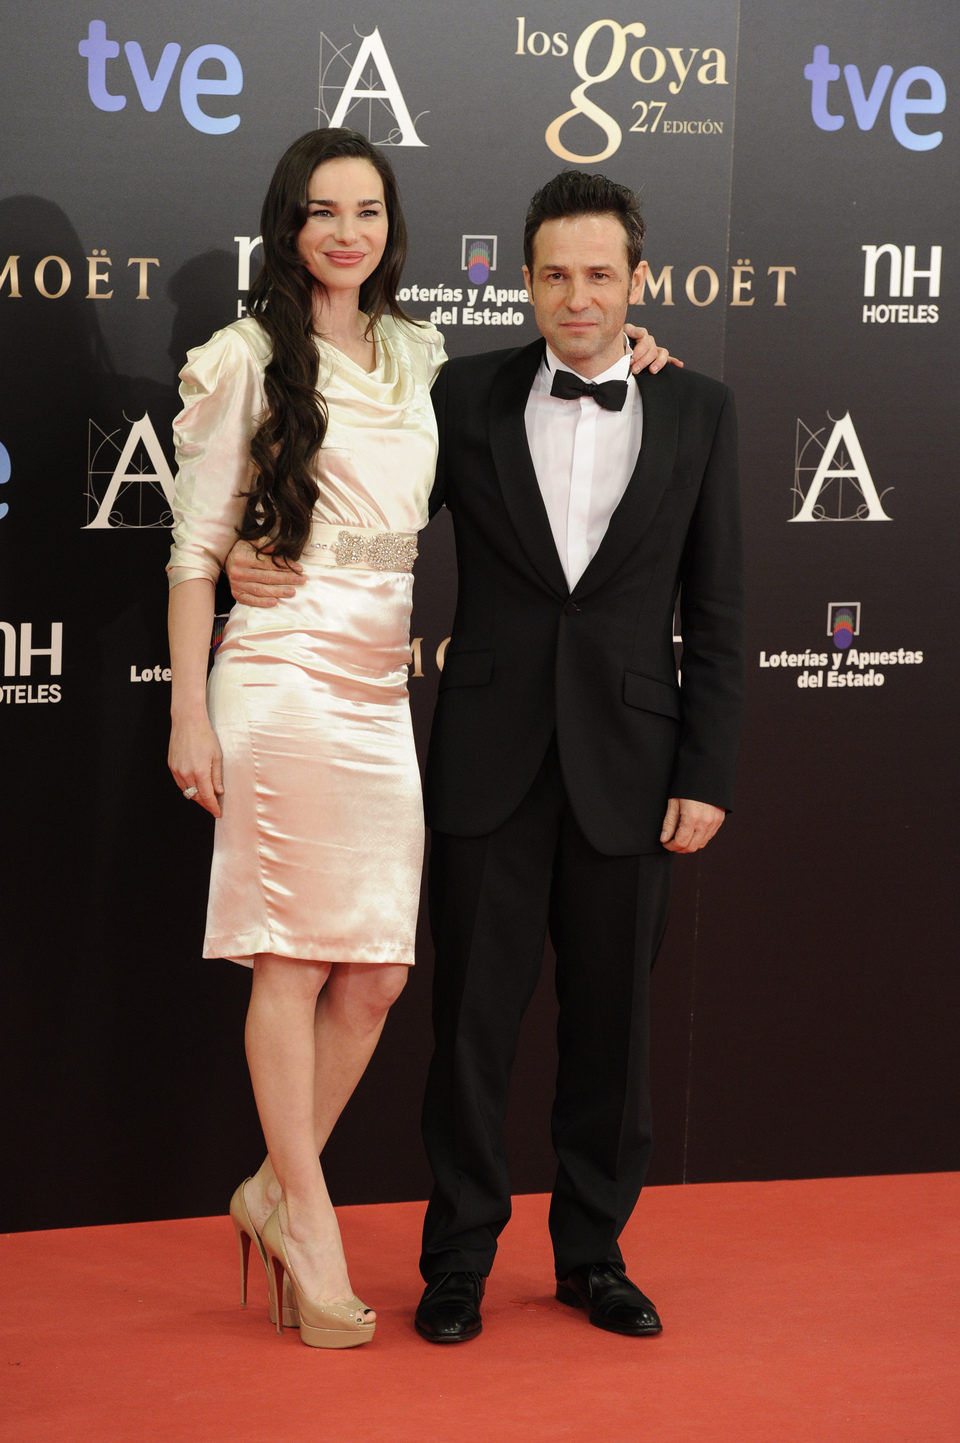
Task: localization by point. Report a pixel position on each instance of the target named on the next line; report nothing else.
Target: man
(566, 764)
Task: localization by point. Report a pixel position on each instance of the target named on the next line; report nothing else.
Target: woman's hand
(646, 353)
(195, 760)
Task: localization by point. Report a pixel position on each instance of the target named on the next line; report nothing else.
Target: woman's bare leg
(351, 1012)
(311, 1030)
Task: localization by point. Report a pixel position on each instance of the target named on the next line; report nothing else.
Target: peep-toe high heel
(322, 1325)
(247, 1234)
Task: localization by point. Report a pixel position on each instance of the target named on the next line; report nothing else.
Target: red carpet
(813, 1311)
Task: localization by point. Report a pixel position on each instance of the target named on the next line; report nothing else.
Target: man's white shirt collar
(583, 456)
(619, 371)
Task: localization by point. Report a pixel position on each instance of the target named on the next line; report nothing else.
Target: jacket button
(572, 609)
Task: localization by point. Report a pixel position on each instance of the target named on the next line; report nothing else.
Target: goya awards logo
(478, 257)
(832, 481)
(129, 481)
(364, 92)
(673, 85)
(843, 664)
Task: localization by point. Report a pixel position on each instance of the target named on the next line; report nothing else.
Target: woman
(319, 840)
(308, 427)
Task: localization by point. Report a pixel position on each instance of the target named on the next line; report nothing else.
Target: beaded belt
(362, 547)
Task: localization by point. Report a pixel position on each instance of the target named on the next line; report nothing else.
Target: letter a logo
(841, 488)
(360, 87)
(128, 493)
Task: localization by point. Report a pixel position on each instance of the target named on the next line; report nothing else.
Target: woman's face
(343, 238)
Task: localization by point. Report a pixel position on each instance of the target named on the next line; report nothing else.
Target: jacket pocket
(466, 668)
(648, 694)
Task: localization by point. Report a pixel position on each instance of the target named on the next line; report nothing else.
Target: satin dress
(319, 849)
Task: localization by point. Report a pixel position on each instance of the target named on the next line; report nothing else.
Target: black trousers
(492, 901)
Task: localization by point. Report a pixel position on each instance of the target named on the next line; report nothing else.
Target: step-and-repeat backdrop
(798, 168)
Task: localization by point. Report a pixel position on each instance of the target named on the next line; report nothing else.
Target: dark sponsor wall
(798, 172)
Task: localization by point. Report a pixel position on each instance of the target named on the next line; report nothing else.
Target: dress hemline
(298, 951)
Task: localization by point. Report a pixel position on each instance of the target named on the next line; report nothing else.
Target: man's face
(581, 285)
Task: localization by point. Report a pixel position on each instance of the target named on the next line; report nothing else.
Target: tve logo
(918, 91)
(223, 76)
(4, 476)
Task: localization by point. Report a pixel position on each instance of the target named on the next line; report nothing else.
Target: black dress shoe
(449, 1310)
(612, 1301)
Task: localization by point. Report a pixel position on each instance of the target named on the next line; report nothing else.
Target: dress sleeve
(222, 393)
(435, 351)
(426, 348)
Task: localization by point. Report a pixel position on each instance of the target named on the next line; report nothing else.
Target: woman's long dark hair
(280, 501)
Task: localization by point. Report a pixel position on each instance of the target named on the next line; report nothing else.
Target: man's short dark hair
(573, 192)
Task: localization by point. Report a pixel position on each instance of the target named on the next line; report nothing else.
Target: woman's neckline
(375, 340)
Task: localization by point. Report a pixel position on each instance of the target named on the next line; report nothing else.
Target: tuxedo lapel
(514, 465)
(651, 475)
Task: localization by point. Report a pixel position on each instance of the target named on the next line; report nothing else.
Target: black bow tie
(608, 394)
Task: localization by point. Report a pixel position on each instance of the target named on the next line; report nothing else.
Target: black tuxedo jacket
(528, 657)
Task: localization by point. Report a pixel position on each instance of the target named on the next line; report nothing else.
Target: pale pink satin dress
(318, 852)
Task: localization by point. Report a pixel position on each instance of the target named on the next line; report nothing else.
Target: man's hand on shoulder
(688, 826)
(646, 353)
(256, 580)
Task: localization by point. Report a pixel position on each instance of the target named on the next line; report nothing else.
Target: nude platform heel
(322, 1325)
(247, 1234)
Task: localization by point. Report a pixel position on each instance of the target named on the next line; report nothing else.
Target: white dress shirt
(584, 456)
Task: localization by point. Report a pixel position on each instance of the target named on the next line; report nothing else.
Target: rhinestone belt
(364, 548)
